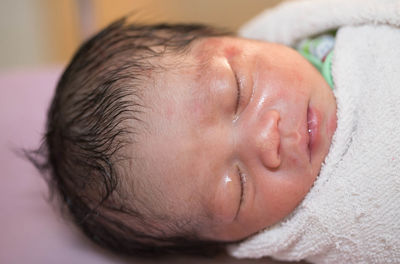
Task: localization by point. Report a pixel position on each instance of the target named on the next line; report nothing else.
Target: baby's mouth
(312, 129)
(308, 133)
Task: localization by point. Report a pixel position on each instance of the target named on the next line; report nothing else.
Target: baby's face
(238, 131)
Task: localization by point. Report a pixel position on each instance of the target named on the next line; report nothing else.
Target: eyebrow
(201, 69)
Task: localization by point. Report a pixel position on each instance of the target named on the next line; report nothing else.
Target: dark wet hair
(98, 93)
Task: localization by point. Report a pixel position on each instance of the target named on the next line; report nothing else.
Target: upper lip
(300, 135)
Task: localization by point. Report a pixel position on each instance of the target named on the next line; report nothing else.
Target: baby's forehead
(182, 100)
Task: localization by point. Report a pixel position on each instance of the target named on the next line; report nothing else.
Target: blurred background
(37, 33)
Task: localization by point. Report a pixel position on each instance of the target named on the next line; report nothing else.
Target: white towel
(352, 213)
(297, 19)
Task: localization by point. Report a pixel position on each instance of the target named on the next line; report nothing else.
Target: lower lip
(313, 123)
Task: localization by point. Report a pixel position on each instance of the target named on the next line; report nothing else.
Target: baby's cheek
(226, 200)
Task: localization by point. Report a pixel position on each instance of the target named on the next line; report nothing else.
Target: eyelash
(238, 93)
(242, 184)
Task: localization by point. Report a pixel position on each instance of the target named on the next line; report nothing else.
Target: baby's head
(180, 138)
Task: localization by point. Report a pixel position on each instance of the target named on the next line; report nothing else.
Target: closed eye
(238, 87)
(242, 178)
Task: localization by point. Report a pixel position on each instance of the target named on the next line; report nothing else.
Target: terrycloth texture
(352, 213)
(295, 20)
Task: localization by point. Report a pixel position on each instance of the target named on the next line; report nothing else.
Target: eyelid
(242, 178)
(239, 88)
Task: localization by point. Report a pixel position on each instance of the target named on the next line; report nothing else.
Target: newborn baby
(180, 138)
(351, 214)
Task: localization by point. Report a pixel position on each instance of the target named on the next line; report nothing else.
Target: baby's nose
(267, 139)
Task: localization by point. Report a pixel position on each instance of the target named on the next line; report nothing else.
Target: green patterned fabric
(319, 51)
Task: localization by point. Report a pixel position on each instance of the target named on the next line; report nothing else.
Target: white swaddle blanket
(352, 213)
